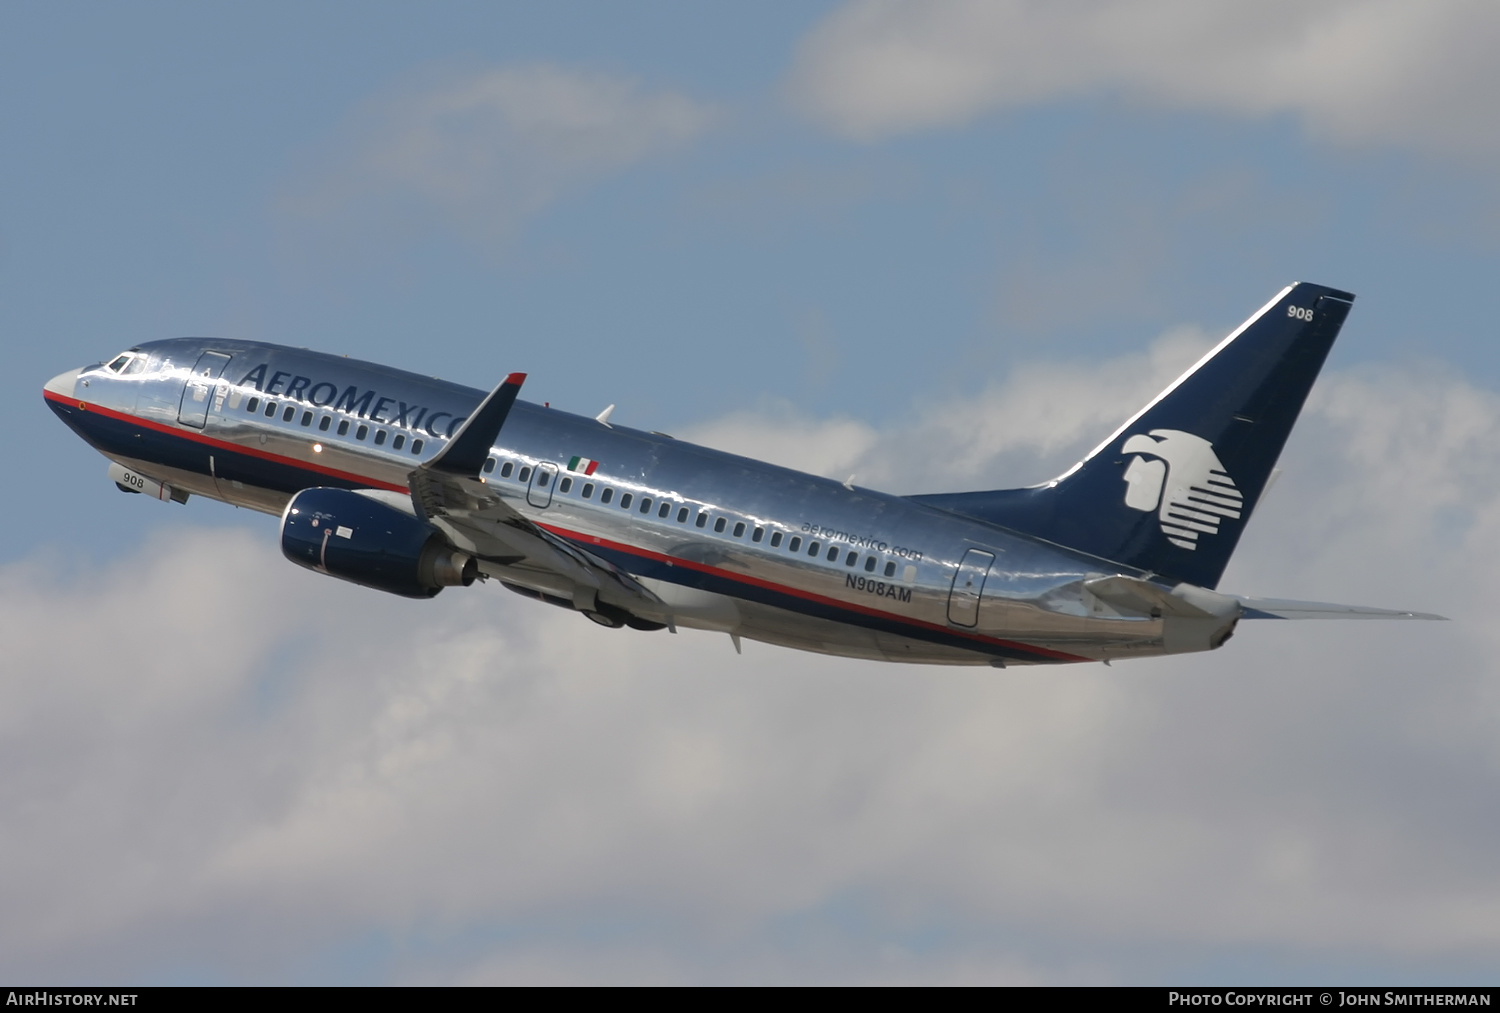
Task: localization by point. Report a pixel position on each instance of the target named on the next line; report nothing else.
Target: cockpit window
(127, 363)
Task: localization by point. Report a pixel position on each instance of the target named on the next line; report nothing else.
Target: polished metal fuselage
(871, 575)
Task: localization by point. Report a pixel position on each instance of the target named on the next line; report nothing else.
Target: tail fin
(1171, 489)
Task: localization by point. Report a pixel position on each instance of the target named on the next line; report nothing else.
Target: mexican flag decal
(583, 464)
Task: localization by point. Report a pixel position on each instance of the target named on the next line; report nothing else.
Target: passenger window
(739, 529)
(812, 548)
(588, 490)
(291, 410)
(542, 478)
(380, 437)
(489, 465)
(869, 564)
(682, 515)
(565, 486)
(665, 510)
(307, 418)
(702, 519)
(252, 405)
(607, 495)
(719, 526)
(794, 544)
(645, 504)
(324, 423)
(416, 446)
(524, 476)
(270, 409)
(851, 559)
(398, 442)
(776, 539)
(506, 469)
(833, 553)
(625, 501)
(361, 432)
(759, 533)
(343, 427)
(890, 568)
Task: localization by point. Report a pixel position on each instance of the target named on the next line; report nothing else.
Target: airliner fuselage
(630, 527)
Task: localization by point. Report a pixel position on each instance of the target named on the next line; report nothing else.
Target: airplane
(410, 485)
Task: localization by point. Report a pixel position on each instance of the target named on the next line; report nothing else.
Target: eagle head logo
(1178, 475)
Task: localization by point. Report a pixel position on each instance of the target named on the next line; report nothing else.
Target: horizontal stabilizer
(1281, 608)
(1131, 594)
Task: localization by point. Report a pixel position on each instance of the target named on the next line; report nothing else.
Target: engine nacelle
(358, 539)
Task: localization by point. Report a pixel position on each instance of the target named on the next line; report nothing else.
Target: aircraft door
(193, 411)
(968, 585)
(539, 492)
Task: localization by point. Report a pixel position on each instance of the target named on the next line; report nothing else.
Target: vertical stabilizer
(1171, 489)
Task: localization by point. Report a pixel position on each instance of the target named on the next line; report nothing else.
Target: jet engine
(359, 539)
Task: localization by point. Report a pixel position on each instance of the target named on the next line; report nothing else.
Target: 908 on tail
(409, 485)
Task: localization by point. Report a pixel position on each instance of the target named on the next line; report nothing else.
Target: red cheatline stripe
(808, 595)
(209, 441)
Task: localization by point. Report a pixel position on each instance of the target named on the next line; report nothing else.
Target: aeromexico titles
(409, 485)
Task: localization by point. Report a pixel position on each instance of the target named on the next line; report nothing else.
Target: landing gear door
(199, 388)
(539, 492)
(968, 585)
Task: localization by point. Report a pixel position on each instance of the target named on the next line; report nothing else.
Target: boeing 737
(409, 485)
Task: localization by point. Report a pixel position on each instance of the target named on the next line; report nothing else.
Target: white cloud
(223, 766)
(778, 433)
(1354, 70)
(490, 148)
(1018, 431)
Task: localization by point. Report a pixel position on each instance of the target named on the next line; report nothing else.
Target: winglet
(466, 453)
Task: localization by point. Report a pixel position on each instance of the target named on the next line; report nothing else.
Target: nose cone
(62, 384)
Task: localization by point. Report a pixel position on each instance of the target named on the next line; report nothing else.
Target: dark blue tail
(1171, 490)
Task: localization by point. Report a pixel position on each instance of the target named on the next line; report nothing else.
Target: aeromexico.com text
(366, 404)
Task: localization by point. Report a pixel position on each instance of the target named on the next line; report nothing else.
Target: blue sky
(944, 245)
